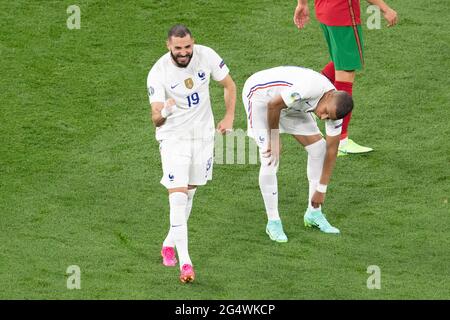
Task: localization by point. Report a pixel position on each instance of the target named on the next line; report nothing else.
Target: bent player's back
(271, 81)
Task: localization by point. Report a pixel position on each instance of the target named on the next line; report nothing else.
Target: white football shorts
(186, 162)
(291, 121)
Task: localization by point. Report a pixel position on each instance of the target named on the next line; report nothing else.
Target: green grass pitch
(80, 167)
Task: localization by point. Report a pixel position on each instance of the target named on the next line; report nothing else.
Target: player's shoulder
(161, 63)
(204, 50)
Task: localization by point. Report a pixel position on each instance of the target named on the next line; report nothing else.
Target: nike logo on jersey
(173, 87)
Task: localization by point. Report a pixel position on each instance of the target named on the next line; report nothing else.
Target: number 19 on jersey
(193, 99)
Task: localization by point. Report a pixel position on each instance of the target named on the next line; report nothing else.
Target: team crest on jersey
(189, 83)
(201, 74)
(295, 96)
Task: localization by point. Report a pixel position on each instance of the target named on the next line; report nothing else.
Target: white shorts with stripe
(255, 98)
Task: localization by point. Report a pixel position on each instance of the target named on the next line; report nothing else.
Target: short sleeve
(333, 127)
(306, 92)
(295, 95)
(292, 96)
(219, 69)
(155, 87)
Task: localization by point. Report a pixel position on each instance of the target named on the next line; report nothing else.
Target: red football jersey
(338, 12)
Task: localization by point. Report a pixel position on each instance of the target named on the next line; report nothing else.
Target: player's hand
(225, 126)
(391, 17)
(317, 199)
(301, 15)
(273, 152)
(169, 108)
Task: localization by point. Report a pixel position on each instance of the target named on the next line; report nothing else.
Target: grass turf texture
(80, 167)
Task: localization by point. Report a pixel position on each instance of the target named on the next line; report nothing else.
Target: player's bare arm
(229, 92)
(301, 14)
(274, 107)
(328, 165)
(160, 111)
(389, 14)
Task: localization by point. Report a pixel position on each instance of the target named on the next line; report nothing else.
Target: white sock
(316, 156)
(343, 142)
(169, 241)
(191, 193)
(178, 226)
(268, 185)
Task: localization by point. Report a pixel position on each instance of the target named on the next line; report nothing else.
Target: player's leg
(175, 158)
(168, 242)
(268, 185)
(315, 145)
(199, 172)
(305, 130)
(345, 44)
(178, 198)
(257, 129)
(191, 192)
(344, 81)
(329, 72)
(179, 233)
(303, 127)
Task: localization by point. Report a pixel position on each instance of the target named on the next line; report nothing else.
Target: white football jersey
(189, 87)
(300, 88)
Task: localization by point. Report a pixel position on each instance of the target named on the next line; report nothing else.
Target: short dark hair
(344, 103)
(179, 31)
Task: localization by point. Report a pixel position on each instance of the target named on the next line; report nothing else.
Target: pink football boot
(187, 273)
(168, 254)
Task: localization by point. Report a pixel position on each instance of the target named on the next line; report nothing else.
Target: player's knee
(317, 149)
(180, 189)
(268, 171)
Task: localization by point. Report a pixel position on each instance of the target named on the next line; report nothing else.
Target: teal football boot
(275, 231)
(315, 218)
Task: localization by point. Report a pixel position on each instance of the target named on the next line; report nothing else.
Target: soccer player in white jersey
(178, 87)
(283, 100)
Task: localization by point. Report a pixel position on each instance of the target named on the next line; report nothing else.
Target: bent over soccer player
(284, 99)
(178, 86)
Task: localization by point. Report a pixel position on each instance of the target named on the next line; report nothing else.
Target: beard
(180, 64)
